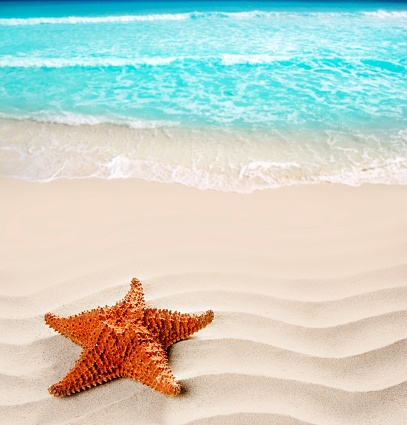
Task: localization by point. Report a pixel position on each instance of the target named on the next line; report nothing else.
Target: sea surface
(225, 95)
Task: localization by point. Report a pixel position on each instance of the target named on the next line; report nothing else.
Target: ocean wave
(228, 59)
(225, 59)
(103, 62)
(193, 15)
(75, 119)
(385, 14)
(94, 20)
(13, 62)
(135, 18)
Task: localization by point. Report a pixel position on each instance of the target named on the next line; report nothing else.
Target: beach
(308, 285)
(246, 159)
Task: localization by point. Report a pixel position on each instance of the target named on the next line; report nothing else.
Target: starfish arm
(146, 361)
(171, 326)
(77, 328)
(135, 296)
(96, 364)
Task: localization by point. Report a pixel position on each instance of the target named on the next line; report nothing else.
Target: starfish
(127, 339)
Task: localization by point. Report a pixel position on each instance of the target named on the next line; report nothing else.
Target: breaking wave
(22, 62)
(76, 119)
(386, 14)
(193, 15)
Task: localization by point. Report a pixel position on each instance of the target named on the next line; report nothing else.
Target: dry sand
(308, 285)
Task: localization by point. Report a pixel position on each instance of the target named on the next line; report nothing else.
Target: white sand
(308, 285)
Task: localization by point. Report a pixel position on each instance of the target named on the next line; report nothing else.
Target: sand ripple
(289, 352)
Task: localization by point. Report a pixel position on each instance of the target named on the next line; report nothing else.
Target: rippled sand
(308, 285)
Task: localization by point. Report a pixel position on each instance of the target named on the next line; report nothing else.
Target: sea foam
(41, 151)
(139, 18)
(94, 20)
(386, 14)
(76, 119)
(230, 60)
(194, 15)
(33, 62)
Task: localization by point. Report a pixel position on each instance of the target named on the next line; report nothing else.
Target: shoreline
(308, 285)
(230, 159)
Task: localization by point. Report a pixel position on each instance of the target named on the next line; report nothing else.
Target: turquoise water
(225, 95)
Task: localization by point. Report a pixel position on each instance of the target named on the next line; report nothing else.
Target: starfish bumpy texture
(127, 339)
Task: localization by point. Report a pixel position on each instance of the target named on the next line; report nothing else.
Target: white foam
(229, 60)
(75, 119)
(22, 62)
(254, 167)
(43, 152)
(255, 176)
(384, 14)
(285, 14)
(94, 20)
(263, 175)
(136, 18)
(253, 14)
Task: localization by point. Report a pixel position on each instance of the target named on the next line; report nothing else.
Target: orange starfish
(128, 339)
